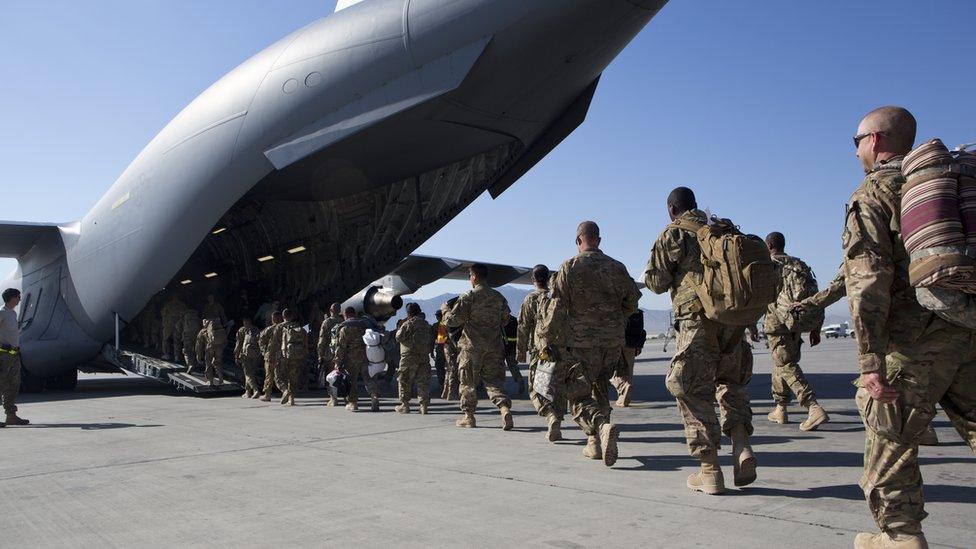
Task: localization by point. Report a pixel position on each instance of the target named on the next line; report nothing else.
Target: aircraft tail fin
(343, 4)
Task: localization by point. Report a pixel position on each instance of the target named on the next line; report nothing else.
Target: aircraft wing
(18, 237)
(416, 271)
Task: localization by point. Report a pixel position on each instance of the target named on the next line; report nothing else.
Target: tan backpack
(739, 278)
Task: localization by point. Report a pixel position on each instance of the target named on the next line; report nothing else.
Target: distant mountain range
(656, 321)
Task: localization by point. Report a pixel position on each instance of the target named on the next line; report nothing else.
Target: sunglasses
(859, 137)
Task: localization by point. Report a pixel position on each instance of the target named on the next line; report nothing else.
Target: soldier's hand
(814, 339)
(876, 384)
(753, 336)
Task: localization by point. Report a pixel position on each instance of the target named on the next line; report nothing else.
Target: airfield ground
(128, 462)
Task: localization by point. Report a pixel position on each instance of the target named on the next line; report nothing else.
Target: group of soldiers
(575, 332)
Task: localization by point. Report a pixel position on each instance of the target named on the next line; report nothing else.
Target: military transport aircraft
(320, 164)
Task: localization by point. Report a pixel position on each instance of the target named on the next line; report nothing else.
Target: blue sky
(752, 104)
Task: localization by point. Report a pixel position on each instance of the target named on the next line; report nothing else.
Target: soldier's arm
(239, 344)
(632, 294)
(661, 266)
(322, 348)
(201, 344)
(869, 274)
(340, 352)
(829, 295)
(526, 326)
(459, 314)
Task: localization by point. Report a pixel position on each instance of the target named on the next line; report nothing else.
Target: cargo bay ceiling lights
(185, 282)
(210, 275)
(265, 258)
(219, 230)
(296, 250)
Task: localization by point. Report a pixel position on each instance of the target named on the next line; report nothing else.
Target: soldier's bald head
(587, 236)
(776, 242)
(895, 123)
(682, 199)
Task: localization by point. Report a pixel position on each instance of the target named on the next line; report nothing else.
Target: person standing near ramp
(10, 357)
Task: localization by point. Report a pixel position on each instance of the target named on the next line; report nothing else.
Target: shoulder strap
(686, 224)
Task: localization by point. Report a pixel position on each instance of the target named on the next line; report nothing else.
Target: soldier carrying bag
(216, 333)
(800, 283)
(293, 344)
(739, 279)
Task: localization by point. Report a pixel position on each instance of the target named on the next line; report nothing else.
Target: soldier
(597, 295)
(350, 355)
(266, 340)
(211, 341)
(247, 355)
(909, 358)
(326, 344)
(10, 357)
(190, 326)
(527, 351)
(705, 366)
(294, 351)
(440, 338)
(623, 379)
(785, 345)
(414, 339)
(214, 310)
(481, 314)
(451, 389)
(171, 313)
(511, 361)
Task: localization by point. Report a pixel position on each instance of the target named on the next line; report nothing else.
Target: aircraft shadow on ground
(85, 426)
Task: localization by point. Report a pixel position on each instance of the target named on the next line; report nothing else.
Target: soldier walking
(553, 406)
(294, 352)
(271, 350)
(327, 341)
(350, 355)
(211, 341)
(10, 357)
(480, 314)
(414, 339)
(247, 355)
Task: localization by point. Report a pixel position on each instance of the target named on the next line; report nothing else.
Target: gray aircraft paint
(455, 79)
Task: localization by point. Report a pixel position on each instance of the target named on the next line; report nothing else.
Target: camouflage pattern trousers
(9, 381)
(587, 373)
(940, 367)
(251, 365)
(482, 366)
(440, 362)
(414, 370)
(270, 373)
(355, 371)
(512, 363)
(451, 388)
(289, 370)
(213, 362)
(710, 364)
(541, 404)
(623, 376)
(788, 378)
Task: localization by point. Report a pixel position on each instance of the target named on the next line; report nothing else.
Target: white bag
(375, 352)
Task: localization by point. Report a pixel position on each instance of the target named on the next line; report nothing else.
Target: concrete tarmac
(125, 462)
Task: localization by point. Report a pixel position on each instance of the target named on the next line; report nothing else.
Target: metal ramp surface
(173, 373)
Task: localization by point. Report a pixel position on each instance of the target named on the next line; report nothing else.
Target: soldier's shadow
(941, 493)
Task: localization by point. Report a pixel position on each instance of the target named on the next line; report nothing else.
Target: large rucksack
(801, 284)
(294, 343)
(552, 324)
(739, 279)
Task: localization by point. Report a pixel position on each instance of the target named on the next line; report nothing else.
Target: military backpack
(552, 324)
(739, 279)
(216, 334)
(294, 342)
(799, 283)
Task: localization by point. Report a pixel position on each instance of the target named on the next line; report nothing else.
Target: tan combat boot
(928, 438)
(352, 407)
(403, 408)
(466, 421)
(291, 401)
(779, 415)
(884, 540)
(332, 402)
(816, 416)
(592, 449)
(284, 398)
(423, 408)
(12, 419)
(247, 394)
(709, 480)
(743, 460)
(554, 433)
(608, 441)
(374, 405)
(507, 423)
(266, 397)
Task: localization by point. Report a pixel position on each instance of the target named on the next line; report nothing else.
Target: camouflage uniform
(270, 344)
(172, 311)
(414, 338)
(324, 346)
(829, 295)
(706, 365)
(511, 360)
(190, 326)
(527, 351)
(290, 368)
(452, 386)
(785, 345)
(480, 313)
(350, 354)
(215, 310)
(247, 353)
(927, 359)
(439, 332)
(598, 295)
(210, 352)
